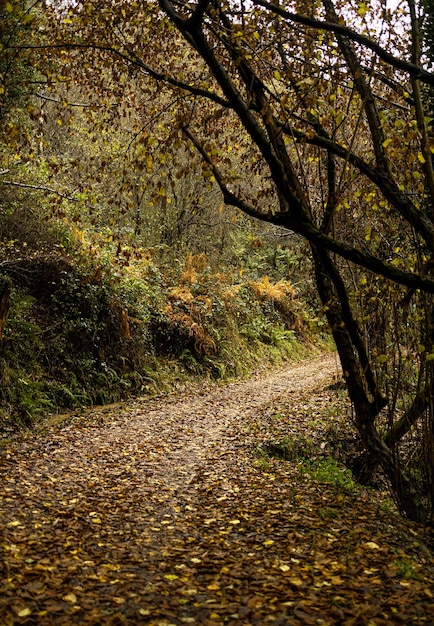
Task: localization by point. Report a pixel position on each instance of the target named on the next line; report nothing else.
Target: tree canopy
(314, 117)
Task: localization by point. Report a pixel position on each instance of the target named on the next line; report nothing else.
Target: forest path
(159, 512)
(200, 428)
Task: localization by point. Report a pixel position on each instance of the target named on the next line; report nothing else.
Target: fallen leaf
(70, 597)
(213, 586)
(336, 580)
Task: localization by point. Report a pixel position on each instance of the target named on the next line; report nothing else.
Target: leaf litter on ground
(176, 511)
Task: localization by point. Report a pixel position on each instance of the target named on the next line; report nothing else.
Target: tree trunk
(366, 399)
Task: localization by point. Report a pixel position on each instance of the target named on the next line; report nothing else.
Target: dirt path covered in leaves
(160, 512)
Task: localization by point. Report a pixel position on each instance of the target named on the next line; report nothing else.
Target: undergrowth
(92, 323)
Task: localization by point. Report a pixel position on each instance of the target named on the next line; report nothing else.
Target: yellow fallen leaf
(70, 597)
(189, 592)
(213, 586)
(268, 542)
(24, 612)
(372, 545)
(171, 576)
(284, 568)
(336, 580)
(371, 570)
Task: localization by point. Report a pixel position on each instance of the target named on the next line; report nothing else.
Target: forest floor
(165, 511)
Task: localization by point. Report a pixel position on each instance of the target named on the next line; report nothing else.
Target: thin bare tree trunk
(5, 296)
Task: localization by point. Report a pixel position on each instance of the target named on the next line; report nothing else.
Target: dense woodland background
(139, 142)
(127, 273)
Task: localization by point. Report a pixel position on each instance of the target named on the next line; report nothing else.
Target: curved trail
(157, 512)
(194, 426)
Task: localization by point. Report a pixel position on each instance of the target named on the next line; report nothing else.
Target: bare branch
(55, 192)
(229, 198)
(72, 104)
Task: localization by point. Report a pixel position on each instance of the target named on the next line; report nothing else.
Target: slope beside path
(160, 512)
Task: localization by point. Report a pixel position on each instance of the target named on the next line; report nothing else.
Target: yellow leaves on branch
(362, 10)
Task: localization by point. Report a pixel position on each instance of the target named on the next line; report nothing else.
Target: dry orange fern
(277, 292)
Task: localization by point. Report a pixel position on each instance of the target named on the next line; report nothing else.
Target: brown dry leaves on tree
(161, 512)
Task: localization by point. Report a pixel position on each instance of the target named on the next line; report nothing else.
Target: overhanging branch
(413, 70)
(133, 59)
(312, 233)
(50, 190)
(397, 198)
